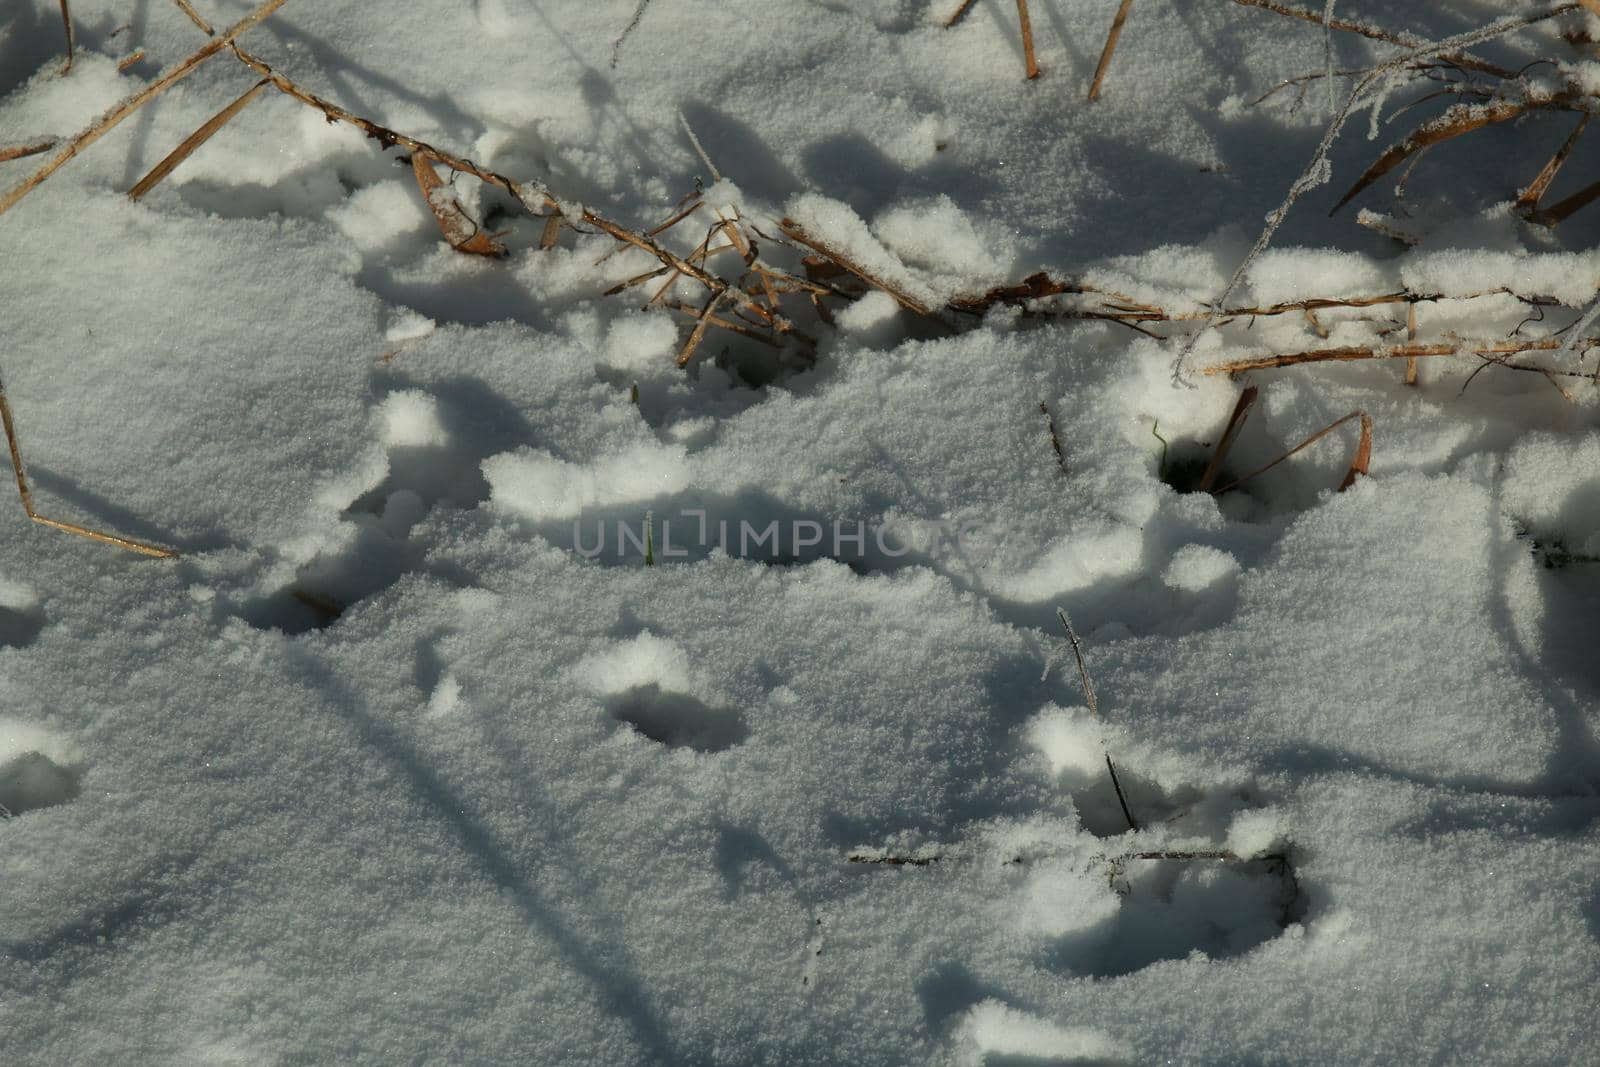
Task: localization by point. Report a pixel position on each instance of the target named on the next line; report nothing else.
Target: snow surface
(397, 763)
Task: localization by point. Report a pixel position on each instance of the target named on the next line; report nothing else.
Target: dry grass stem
(959, 13)
(127, 61)
(1055, 438)
(188, 9)
(26, 493)
(1094, 711)
(1374, 33)
(1411, 336)
(194, 141)
(1307, 443)
(1030, 61)
(1463, 118)
(1354, 353)
(1529, 200)
(718, 321)
(699, 332)
(1559, 212)
(110, 119)
(72, 36)
(1230, 433)
(1110, 47)
(795, 232)
(23, 150)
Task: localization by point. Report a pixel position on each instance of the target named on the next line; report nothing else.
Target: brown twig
(103, 125)
(1110, 47)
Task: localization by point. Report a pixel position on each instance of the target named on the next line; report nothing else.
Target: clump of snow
(538, 485)
(1195, 568)
(839, 228)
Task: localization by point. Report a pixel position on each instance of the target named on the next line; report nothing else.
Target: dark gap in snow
(20, 625)
(677, 719)
(32, 781)
(1175, 904)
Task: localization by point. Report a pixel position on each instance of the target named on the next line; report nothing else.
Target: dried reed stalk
(72, 36)
(1366, 423)
(194, 141)
(1110, 47)
(1352, 353)
(26, 493)
(1530, 197)
(795, 232)
(1030, 61)
(23, 150)
(1230, 433)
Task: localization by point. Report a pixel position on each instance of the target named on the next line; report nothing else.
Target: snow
(392, 764)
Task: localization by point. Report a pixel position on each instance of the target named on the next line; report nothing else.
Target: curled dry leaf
(464, 234)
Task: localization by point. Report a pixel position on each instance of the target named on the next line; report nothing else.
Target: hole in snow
(677, 719)
(19, 626)
(33, 780)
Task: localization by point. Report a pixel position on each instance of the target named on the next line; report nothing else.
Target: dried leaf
(1363, 455)
(458, 227)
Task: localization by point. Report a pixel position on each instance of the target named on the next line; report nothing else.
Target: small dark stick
(1094, 710)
